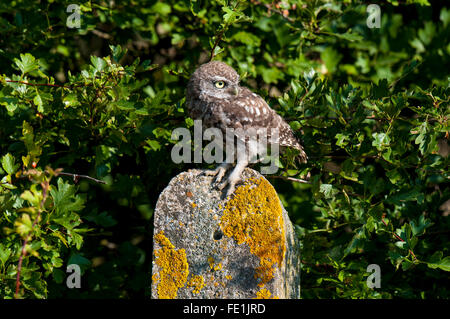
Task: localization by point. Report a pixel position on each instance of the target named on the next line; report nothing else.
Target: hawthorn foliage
(86, 116)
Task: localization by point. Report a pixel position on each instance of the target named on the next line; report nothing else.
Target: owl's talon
(210, 172)
(220, 175)
(231, 187)
(230, 191)
(219, 172)
(221, 186)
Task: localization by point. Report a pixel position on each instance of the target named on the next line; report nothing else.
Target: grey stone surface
(206, 247)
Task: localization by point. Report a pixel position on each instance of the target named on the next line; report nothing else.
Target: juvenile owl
(215, 97)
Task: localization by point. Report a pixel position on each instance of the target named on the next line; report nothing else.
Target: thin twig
(220, 35)
(42, 84)
(216, 43)
(270, 9)
(101, 34)
(398, 237)
(78, 176)
(288, 178)
(19, 266)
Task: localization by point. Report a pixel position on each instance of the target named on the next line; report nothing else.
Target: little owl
(215, 97)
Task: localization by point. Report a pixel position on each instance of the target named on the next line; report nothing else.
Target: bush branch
(288, 178)
(76, 177)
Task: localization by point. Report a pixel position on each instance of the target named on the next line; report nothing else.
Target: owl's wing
(250, 111)
(247, 110)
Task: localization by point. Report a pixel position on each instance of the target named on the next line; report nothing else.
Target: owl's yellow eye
(219, 84)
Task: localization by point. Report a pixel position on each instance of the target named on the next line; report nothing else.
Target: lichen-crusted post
(241, 247)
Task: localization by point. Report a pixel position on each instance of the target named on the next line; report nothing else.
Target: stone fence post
(206, 247)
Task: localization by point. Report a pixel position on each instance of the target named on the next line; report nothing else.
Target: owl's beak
(234, 90)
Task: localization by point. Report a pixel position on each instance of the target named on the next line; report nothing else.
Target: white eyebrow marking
(219, 78)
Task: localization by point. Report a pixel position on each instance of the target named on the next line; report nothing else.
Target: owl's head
(212, 81)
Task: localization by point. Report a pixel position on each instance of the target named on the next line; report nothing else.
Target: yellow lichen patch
(213, 265)
(211, 262)
(194, 205)
(173, 266)
(198, 282)
(254, 216)
(228, 277)
(265, 294)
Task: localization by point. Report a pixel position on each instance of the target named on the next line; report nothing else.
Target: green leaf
(161, 8)
(33, 196)
(427, 33)
(76, 239)
(125, 105)
(394, 176)
(197, 9)
(331, 57)
(356, 241)
(155, 146)
(414, 194)
(445, 16)
(58, 276)
(342, 140)
(8, 164)
(27, 63)
(349, 36)
(37, 100)
(396, 258)
(380, 141)
(23, 225)
(436, 257)
(11, 103)
(247, 38)
(79, 260)
(270, 75)
(443, 264)
(380, 90)
(328, 190)
(425, 139)
(418, 228)
(406, 264)
(98, 63)
(71, 100)
(229, 16)
(103, 219)
(117, 52)
(295, 125)
(4, 254)
(56, 261)
(6, 182)
(34, 149)
(65, 198)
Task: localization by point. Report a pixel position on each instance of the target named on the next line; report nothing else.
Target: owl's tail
(301, 157)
